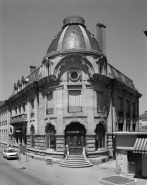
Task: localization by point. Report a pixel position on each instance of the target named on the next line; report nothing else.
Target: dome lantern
(73, 20)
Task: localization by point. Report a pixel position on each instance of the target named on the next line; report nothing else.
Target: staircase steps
(75, 161)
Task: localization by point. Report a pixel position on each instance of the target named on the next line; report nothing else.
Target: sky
(27, 28)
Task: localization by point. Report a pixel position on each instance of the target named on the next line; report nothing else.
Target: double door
(75, 144)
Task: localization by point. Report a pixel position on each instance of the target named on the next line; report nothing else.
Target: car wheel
(3, 156)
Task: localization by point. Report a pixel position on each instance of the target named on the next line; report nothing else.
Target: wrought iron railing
(74, 108)
(101, 109)
(49, 110)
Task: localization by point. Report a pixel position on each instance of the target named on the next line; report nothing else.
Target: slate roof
(74, 36)
(115, 74)
(1, 103)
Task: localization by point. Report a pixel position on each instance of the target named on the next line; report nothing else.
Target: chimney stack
(32, 69)
(101, 36)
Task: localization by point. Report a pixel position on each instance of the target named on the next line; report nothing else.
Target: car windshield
(10, 151)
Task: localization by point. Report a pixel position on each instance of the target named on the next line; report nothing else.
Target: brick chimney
(32, 69)
(101, 36)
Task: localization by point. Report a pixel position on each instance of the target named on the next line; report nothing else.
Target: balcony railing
(32, 114)
(49, 110)
(18, 118)
(4, 122)
(74, 108)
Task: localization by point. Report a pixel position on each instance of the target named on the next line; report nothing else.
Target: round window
(74, 75)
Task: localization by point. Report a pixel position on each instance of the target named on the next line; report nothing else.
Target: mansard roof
(115, 74)
(143, 116)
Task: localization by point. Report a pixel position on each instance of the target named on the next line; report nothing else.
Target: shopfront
(131, 153)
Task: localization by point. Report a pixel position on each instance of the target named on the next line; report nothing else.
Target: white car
(10, 153)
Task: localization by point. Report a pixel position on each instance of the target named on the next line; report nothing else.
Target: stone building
(75, 100)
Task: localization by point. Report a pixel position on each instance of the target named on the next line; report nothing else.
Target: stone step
(75, 161)
(76, 166)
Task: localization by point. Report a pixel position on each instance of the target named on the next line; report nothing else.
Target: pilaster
(114, 109)
(90, 111)
(124, 110)
(90, 142)
(60, 143)
(131, 121)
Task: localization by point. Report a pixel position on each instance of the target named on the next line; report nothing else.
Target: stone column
(114, 109)
(60, 143)
(59, 113)
(65, 100)
(137, 114)
(90, 112)
(124, 110)
(109, 109)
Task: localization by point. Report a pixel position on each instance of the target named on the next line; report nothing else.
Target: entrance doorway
(75, 138)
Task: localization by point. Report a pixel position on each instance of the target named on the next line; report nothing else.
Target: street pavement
(66, 176)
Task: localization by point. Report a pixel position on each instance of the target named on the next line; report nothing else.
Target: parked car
(10, 153)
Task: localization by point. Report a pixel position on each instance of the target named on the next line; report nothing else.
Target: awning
(140, 145)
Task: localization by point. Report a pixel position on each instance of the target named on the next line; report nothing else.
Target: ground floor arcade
(74, 139)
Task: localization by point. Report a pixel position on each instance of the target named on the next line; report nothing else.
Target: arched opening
(75, 138)
(100, 136)
(32, 138)
(50, 136)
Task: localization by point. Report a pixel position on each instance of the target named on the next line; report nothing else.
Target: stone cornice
(100, 79)
(114, 83)
(36, 85)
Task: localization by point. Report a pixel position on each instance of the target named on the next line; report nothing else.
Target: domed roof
(74, 36)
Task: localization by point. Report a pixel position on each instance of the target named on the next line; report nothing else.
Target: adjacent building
(75, 100)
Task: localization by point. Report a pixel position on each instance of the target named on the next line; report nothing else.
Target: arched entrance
(75, 138)
(100, 136)
(50, 136)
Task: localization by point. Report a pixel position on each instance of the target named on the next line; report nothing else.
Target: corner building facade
(75, 100)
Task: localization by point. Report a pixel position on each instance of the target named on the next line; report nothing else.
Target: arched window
(100, 136)
(32, 138)
(50, 136)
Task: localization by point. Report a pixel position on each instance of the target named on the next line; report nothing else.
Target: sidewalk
(70, 176)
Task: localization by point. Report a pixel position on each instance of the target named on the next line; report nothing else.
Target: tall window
(74, 101)
(100, 102)
(16, 110)
(120, 104)
(133, 109)
(127, 107)
(120, 127)
(32, 107)
(19, 107)
(100, 136)
(50, 136)
(23, 107)
(49, 103)
(32, 139)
